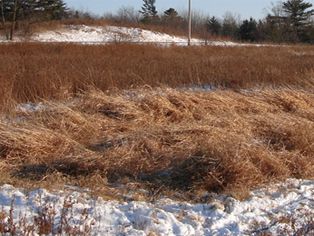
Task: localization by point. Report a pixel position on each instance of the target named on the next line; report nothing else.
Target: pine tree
(171, 12)
(149, 11)
(298, 14)
(29, 10)
(26, 9)
(52, 9)
(248, 30)
(213, 26)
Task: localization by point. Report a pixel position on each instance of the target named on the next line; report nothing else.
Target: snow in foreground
(281, 208)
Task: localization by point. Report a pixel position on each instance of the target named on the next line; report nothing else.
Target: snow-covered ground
(109, 34)
(280, 210)
(97, 34)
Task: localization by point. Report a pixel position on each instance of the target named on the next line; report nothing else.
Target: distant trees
(128, 14)
(172, 18)
(248, 30)
(213, 26)
(230, 26)
(29, 10)
(26, 9)
(298, 15)
(50, 9)
(288, 21)
(149, 11)
(171, 13)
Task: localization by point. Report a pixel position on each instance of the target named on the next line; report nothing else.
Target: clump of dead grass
(166, 140)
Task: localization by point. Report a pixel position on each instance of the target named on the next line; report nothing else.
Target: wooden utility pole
(190, 24)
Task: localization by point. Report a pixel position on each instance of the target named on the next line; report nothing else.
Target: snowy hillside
(286, 207)
(94, 34)
(110, 34)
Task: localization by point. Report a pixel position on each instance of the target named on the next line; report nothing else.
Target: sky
(245, 8)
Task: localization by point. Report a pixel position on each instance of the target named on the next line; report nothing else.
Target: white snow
(30, 107)
(281, 208)
(107, 34)
(110, 34)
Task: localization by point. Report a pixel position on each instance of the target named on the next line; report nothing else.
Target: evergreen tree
(298, 15)
(171, 13)
(49, 9)
(213, 26)
(149, 11)
(30, 10)
(52, 9)
(248, 30)
(171, 18)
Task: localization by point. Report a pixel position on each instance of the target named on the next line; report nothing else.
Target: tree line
(288, 21)
(13, 11)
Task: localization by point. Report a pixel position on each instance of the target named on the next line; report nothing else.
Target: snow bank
(82, 34)
(98, 35)
(268, 210)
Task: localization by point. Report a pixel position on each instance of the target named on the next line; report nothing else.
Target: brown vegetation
(30, 72)
(102, 126)
(165, 140)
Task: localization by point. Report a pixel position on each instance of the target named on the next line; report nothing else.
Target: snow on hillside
(280, 209)
(82, 34)
(108, 34)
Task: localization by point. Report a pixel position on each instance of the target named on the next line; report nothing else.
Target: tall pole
(190, 24)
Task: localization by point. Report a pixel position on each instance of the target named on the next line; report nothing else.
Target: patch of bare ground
(169, 142)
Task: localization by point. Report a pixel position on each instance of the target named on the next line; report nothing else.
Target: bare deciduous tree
(14, 17)
(3, 20)
(128, 14)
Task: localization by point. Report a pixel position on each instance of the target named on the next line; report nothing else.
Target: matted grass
(167, 141)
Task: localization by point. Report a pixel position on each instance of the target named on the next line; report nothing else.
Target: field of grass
(121, 115)
(30, 72)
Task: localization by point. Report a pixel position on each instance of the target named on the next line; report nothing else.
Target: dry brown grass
(31, 72)
(168, 141)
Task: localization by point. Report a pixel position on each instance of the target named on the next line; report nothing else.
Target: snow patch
(107, 34)
(268, 210)
(83, 34)
(30, 107)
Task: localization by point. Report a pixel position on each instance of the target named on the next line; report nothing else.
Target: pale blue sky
(246, 8)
